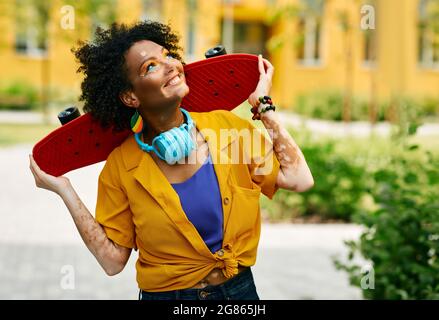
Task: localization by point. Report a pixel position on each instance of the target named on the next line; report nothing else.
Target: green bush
(328, 105)
(401, 239)
(429, 106)
(338, 191)
(18, 96)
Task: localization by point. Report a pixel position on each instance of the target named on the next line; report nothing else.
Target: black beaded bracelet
(270, 107)
(264, 100)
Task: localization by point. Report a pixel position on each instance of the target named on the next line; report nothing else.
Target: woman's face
(157, 78)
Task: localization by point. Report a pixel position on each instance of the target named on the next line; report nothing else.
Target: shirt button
(226, 200)
(220, 253)
(204, 294)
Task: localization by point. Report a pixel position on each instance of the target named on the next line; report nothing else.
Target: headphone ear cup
(162, 144)
(174, 150)
(185, 140)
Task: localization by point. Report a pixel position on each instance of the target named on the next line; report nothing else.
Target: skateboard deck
(221, 82)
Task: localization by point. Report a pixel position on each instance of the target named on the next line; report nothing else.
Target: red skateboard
(221, 82)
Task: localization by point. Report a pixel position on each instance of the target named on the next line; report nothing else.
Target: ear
(129, 99)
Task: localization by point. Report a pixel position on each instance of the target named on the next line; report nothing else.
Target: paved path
(39, 243)
(357, 128)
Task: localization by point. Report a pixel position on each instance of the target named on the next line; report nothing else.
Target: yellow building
(374, 47)
(396, 58)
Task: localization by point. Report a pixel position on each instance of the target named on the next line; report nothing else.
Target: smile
(174, 81)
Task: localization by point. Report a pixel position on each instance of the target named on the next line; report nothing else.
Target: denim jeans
(240, 287)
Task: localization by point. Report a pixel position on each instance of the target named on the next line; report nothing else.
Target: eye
(150, 67)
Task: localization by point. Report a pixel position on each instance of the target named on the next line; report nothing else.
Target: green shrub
(338, 191)
(429, 106)
(18, 95)
(401, 239)
(328, 105)
(321, 105)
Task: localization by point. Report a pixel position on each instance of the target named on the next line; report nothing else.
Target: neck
(158, 122)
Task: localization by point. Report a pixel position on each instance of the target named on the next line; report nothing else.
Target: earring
(136, 122)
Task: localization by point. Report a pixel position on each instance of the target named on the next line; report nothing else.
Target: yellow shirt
(138, 208)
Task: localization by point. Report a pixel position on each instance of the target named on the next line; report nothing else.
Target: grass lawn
(11, 134)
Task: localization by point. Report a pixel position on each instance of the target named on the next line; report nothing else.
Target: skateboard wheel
(215, 52)
(68, 115)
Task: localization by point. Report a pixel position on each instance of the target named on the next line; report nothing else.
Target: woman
(172, 191)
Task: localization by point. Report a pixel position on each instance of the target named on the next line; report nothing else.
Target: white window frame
(31, 35)
(426, 59)
(310, 30)
(370, 63)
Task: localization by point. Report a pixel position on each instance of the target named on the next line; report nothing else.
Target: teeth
(174, 80)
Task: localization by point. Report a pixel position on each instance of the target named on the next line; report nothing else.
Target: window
(308, 44)
(31, 27)
(151, 10)
(249, 37)
(370, 41)
(369, 48)
(191, 6)
(428, 30)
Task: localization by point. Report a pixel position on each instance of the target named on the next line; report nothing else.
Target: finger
(261, 64)
(33, 172)
(32, 161)
(31, 164)
(36, 177)
(33, 169)
(38, 173)
(268, 63)
(270, 68)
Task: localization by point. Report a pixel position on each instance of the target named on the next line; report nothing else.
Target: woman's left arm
(294, 173)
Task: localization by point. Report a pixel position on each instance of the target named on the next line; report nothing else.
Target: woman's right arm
(110, 256)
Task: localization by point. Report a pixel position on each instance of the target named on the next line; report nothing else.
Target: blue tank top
(200, 198)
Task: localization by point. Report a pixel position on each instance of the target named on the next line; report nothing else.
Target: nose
(169, 66)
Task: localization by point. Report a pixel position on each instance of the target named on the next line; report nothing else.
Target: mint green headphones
(171, 145)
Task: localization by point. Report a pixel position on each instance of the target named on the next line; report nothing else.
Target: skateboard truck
(68, 115)
(215, 52)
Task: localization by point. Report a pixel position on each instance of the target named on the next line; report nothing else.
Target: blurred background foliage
(328, 105)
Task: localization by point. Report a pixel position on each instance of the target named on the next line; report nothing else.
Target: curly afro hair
(103, 63)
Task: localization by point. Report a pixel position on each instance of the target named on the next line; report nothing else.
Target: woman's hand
(264, 85)
(46, 181)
